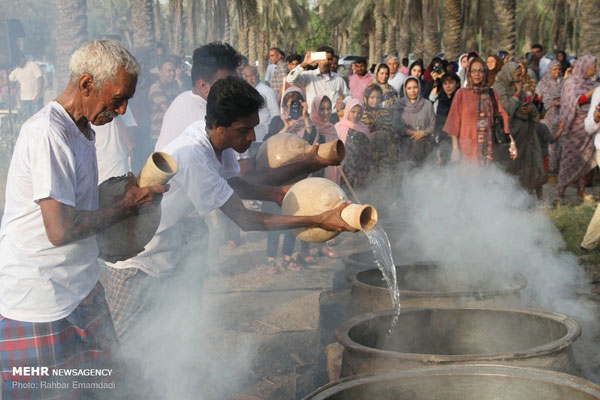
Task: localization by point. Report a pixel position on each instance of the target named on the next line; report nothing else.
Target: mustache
(108, 114)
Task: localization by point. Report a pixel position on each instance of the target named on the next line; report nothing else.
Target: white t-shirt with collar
(200, 185)
(40, 282)
(185, 109)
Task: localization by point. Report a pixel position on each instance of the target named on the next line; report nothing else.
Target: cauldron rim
(555, 346)
(471, 369)
(518, 283)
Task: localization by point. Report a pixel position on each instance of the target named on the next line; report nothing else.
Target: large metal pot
(461, 382)
(434, 336)
(425, 285)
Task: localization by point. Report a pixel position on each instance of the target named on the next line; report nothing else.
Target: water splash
(382, 251)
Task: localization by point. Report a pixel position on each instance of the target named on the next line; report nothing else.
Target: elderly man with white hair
(53, 314)
(397, 78)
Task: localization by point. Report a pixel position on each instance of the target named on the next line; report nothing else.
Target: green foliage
(319, 35)
(572, 223)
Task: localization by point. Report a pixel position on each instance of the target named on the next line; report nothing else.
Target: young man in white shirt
(207, 179)
(210, 63)
(53, 311)
(321, 80)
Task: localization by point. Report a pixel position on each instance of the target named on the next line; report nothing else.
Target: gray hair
(102, 59)
(252, 68)
(391, 57)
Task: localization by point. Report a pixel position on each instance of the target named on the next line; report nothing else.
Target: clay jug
(286, 148)
(129, 236)
(312, 196)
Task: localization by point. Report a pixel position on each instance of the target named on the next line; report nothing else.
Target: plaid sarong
(79, 342)
(128, 290)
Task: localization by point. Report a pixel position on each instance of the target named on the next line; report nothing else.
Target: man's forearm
(283, 174)
(258, 221)
(65, 225)
(253, 191)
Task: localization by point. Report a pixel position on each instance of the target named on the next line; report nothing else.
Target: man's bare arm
(278, 176)
(249, 220)
(253, 191)
(64, 224)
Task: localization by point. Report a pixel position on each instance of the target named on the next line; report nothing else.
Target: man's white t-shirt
(267, 113)
(40, 282)
(397, 81)
(27, 78)
(185, 109)
(200, 185)
(112, 153)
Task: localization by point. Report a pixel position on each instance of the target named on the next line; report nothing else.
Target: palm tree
(590, 28)
(378, 15)
(190, 25)
(404, 45)
(452, 28)
(431, 46)
(176, 38)
(142, 21)
(70, 33)
(505, 12)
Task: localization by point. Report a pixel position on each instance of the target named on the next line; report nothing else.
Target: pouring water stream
(382, 251)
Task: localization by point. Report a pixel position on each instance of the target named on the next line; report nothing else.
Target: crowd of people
(531, 116)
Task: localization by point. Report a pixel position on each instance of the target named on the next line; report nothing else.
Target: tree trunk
(70, 33)
(190, 26)
(392, 33)
(589, 42)
(157, 22)
(430, 39)
(416, 18)
(252, 56)
(558, 39)
(227, 37)
(378, 34)
(343, 50)
(452, 29)
(372, 50)
(505, 11)
(142, 21)
(176, 45)
(405, 46)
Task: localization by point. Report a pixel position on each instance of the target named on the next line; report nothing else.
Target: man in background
(29, 76)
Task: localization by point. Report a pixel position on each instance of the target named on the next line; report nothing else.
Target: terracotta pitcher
(129, 236)
(314, 196)
(286, 148)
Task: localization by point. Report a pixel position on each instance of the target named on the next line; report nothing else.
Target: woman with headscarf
(413, 119)
(417, 70)
(442, 96)
(357, 138)
(562, 58)
(470, 120)
(577, 156)
(523, 120)
(323, 131)
(382, 75)
(300, 125)
(379, 122)
(463, 66)
(289, 122)
(494, 64)
(548, 89)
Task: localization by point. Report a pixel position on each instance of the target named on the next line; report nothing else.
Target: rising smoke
(476, 222)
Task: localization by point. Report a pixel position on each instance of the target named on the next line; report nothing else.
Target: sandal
(291, 264)
(306, 260)
(272, 268)
(329, 252)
